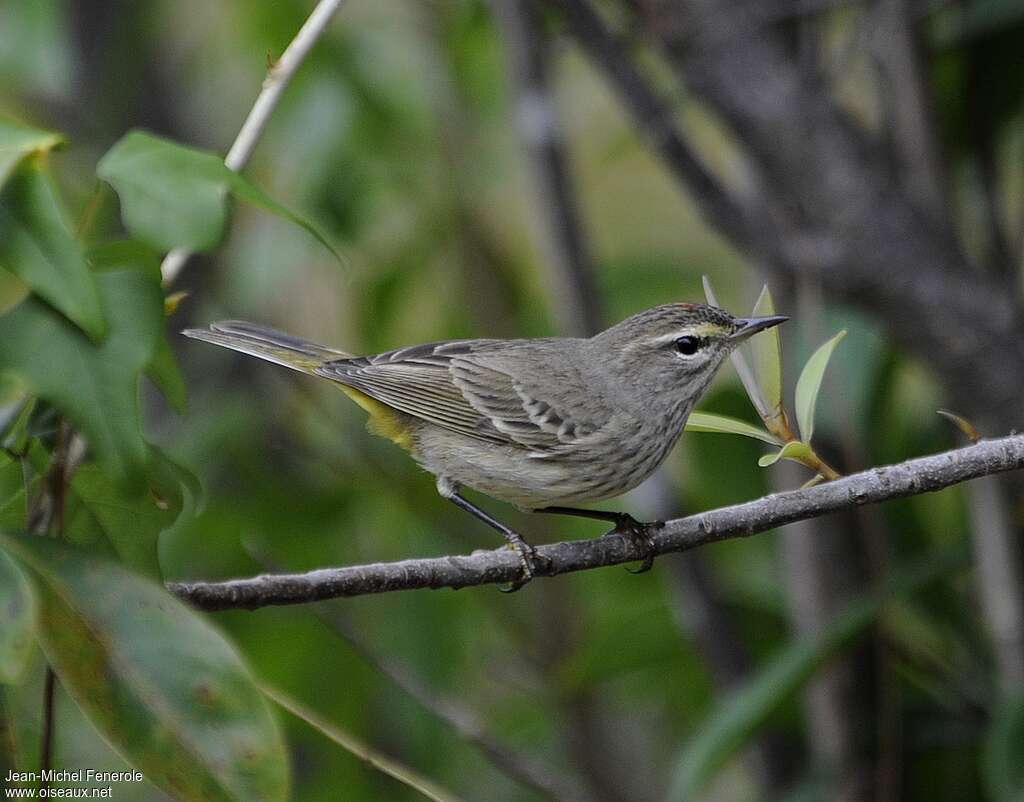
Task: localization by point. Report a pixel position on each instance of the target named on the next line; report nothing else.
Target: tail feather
(269, 344)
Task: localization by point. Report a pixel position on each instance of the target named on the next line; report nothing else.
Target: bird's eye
(688, 345)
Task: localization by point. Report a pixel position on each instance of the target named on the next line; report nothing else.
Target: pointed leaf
(742, 368)
(176, 196)
(245, 190)
(159, 682)
(809, 383)
(96, 385)
(962, 424)
(365, 753)
(37, 247)
(767, 350)
(723, 424)
(735, 721)
(794, 450)
(18, 610)
(18, 141)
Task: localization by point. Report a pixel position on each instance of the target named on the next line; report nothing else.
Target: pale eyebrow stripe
(699, 330)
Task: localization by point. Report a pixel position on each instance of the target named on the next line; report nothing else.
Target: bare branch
(277, 79)
(915, 476)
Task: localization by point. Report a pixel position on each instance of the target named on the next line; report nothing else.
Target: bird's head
(675, 349)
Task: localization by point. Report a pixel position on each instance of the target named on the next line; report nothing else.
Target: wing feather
(473, 388)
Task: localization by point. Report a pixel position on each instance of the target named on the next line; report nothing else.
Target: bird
(543, 424)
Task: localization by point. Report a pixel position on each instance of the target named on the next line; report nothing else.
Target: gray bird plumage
(533, 422)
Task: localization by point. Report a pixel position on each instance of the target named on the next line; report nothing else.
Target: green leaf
(18, 610)
(37, 247)
(746, 709)
(809, 383)
(163, 368)
(746, 375)
(794, 450)
(130, 523)
(96, 385)
(176, 196)
(723, 424)
(160, 683)
(1003, 757)
(164, 371)
(362, 751)
(18, 141)
(767, 351)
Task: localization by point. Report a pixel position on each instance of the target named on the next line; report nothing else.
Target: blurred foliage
(396, 141)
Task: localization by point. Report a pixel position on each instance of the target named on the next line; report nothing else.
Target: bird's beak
(749, 326)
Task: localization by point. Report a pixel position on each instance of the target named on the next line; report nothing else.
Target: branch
(656, 122)
(252, 129)
(915, 476)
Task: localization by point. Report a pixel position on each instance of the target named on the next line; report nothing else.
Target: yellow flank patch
(384, 421)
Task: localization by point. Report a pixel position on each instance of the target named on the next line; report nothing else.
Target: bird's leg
(625, 524)
(528, 556)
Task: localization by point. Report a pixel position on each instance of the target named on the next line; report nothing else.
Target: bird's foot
(640, 534)
(532, 562)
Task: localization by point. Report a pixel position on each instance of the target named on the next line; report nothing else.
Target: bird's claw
(640, 535)
(532, 563)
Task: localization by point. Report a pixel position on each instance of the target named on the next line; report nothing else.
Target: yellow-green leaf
(742, 368)
(809, 383)
(723, 424)
(964, 425)
(794, 450)
(767, 352)
(18, 141)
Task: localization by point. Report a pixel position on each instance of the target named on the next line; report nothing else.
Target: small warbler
(539, 423)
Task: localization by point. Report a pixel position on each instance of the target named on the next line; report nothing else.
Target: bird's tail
(269, 344)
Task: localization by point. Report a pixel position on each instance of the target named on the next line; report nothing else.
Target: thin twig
(273, 87)
(915, 476)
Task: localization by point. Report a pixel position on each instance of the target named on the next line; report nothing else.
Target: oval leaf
(18, 610)
(723, 424)
(37, 247)
(161, 684)
(794, 450)
(809, 384)
(175, 196)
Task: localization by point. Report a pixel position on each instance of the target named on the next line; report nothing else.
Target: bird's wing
(477, 389)
(535, 397)
(417, 381)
